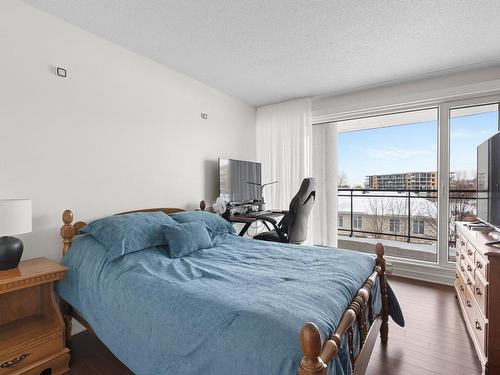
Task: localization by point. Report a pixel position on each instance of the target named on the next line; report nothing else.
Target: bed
(240, 307)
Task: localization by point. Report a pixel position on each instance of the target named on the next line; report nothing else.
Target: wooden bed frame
(317, 355)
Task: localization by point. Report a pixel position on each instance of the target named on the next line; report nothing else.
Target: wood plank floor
(434, 340)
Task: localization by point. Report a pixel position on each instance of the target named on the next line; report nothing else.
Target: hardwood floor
(434, 340)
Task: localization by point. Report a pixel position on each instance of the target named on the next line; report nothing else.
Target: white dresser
(477, 283)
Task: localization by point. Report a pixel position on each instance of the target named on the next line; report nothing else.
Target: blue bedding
(236, 308)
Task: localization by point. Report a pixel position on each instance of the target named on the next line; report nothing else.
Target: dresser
(31, 326)
(477, 283)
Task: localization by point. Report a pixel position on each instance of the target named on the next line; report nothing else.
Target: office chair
(293, 226)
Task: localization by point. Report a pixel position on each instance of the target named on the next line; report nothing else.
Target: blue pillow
(184, 239)
(215, 224)
(124, 234)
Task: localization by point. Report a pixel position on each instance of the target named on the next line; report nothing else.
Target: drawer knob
(479, 264)
(462, 256)
(478, 291)
(13, 362)
(469, 283)
(462, 268)
(468, 304)
(469, 252)
(462, 243)
(478, 326)
(469, 268)
(461, 288)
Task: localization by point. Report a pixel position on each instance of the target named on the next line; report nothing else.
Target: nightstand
(31, 325)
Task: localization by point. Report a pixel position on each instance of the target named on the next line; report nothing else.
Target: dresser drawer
(460, 286)
(469, 252)
(481, 265)
(481, 294)
(468, 279)
(14, 361)
(478, 324)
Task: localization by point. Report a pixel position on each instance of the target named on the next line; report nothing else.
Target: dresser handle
(478, 291)
(462, 256)
(462, 243)
(456, 275)
(479, 264)
(15, 361)
(467, 303)
(461, 288)
(469, 268)
(469, 252)
(478, 326)
(469, 283)
(462, 268)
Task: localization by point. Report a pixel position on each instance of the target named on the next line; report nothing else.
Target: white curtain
(324, 141)
(284, 136)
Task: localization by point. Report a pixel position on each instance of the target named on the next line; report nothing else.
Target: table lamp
(15, 218)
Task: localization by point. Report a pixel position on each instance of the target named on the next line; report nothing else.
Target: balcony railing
(456, 195)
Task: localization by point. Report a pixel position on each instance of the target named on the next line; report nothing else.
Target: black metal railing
(408, 195)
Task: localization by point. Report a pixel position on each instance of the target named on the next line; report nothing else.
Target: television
(239, 181)
(488, 181)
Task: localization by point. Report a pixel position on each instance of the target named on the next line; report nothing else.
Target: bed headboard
(69, 230)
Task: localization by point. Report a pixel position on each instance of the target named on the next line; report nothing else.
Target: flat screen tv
(488, 181)
(239, 180)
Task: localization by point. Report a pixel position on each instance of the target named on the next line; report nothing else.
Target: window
(341, 221)
(394, 225)
(357, 222)
(418, 226)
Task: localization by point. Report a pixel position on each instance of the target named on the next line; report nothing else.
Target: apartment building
(403, 181)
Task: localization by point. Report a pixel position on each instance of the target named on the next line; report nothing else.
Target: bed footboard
(318, 355)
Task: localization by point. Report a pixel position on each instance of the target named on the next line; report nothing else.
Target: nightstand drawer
(14, 361)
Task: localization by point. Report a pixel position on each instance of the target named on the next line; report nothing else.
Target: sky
(413, 147)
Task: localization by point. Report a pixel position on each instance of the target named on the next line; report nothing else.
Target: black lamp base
(11, 250)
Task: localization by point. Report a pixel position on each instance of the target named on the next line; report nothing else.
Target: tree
(342, 180)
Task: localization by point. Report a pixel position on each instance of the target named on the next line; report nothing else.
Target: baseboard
(432, 274)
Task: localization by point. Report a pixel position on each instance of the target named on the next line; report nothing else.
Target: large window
(469, 127)
(404, 178)
(388, 172)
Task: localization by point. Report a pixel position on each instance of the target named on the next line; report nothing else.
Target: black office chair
(293, 226)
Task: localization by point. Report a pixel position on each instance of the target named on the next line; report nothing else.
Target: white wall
(452, 86)
(121, 132)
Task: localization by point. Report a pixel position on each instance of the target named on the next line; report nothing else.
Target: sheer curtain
(284, 136)
(324, 140)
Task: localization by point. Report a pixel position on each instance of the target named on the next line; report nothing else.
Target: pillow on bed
(184, 239)
(215, 224)
(124, 234)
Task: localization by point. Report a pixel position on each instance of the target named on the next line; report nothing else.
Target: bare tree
(342, 180)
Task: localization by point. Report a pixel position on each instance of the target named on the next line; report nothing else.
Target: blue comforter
(236, 308)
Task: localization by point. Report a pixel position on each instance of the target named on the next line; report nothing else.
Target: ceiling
(267, 51)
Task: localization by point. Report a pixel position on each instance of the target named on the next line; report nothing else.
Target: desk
(248, 219)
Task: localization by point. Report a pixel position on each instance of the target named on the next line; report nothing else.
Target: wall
(120, 132)
(451, 86)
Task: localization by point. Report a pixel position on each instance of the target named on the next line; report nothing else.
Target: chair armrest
(268, 219)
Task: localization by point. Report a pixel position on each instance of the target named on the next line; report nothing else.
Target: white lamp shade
(15, 216)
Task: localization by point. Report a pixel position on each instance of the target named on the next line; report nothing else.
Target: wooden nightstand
(31, 325)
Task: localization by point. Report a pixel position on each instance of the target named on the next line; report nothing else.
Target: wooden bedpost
(67, 233)
(384, 328)
(310, 341)
(67, 230)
